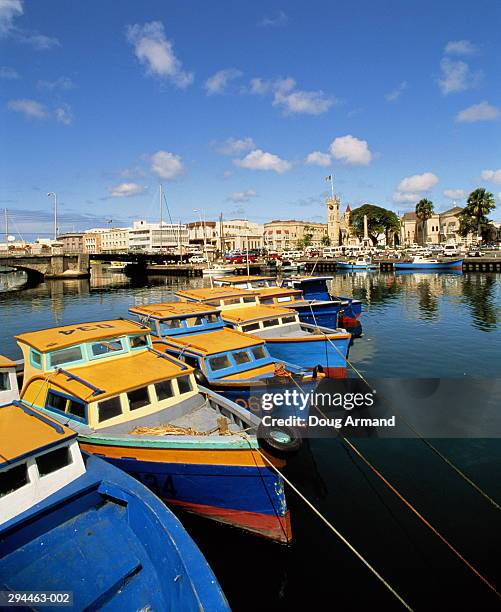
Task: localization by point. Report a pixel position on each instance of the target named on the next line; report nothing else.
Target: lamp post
(51, 193)
(196, 210)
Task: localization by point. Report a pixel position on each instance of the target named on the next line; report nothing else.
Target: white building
(115, 240)
(157, 237)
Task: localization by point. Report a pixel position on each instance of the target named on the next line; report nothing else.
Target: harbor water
(441, 325)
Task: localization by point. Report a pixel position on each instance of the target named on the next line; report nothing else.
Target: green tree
(326, 241)
(424, 211)
(473, 217)
(379, 221)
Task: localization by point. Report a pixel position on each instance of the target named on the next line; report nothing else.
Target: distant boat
(361, 263)
(116, 266)
(218, 269)
(72, 523)
(427, 263)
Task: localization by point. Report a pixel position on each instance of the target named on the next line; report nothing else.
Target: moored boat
(360, 263)
(85, 534)
(142, 410)
(418, 262)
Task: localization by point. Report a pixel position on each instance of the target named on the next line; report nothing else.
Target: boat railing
(27, 410)
(182, 365)
(82, 381)
(236, 414)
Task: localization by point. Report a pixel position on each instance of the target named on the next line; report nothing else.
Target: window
(35, 359)
(286, 298)
(250, 327)
(67, 355)
(259, 352)
(106, 347)
(249, 299)
(212, 318)
(184, 384)
(55, 402)
(164, 390)
(219, 363)
(270, 323)
(138, 341)
(291, 319)
(76, 409)
(266, 300)
(241, 357)
(166, 326)
(13, 479)
(194, 321)
(109, 408)
(138, 398)
(229, 301)
(4, 381)
(191, 361)
(55, 460)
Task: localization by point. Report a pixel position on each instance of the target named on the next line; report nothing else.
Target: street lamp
(51, 193)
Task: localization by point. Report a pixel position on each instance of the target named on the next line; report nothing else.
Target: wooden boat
(418, 262)
(9, 391)
(143, 411)
(78, 525)
(252, 281)
(360, 263)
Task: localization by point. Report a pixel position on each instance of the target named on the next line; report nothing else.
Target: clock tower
(333, 228)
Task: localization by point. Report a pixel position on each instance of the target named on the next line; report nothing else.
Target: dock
(470, 264)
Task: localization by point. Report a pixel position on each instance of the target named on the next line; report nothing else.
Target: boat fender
(280, 441)
(318, 369)
(201, 378)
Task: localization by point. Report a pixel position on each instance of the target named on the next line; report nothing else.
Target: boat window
(194, 321)
(4, 381)
(191, 361)
(76, 409)
(249, 299)
(250, 327)
(290, 319)
(138, 341)
(286, 298)
(266, 300)
(67, 355)
(184, 384)
(230, 301)
(13, 479)
(166, 326)
(54, 460)
(106, 347)
(212, 318)
(241, 357)
(219, 363)
(109, 408)
(270, 323)
(164, 390)
(35, 358)
(55, 401)
(138, 398)
(258, 352)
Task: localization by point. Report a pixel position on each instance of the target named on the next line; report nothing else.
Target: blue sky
(244, 107)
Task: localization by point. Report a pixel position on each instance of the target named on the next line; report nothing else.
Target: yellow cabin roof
(60, 337)
(5, 362)
(278, 292)
(166, 310)
(233, 280)
(218, 341)
(119, 375)
(253, 313)
(215, 293)
(22, 433)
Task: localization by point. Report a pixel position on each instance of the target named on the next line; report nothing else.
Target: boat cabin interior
(280, 295)
(8, 381)
(222, 297)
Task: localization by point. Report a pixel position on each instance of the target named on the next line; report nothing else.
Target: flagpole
(332, 186)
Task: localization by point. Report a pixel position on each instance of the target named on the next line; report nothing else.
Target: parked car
(451, 250)
(475, 253)
(197, 259)
(240, 258)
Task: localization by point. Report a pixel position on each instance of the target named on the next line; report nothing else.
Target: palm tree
(424, 211)
(326, 241)
(478, 205)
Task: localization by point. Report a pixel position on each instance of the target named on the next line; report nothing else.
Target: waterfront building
(440, 228)
(284, 235)
(151, 237)
(339, 229)
(115, 240)
(72, 242)
(231, 235)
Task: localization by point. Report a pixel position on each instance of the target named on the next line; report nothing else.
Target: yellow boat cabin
(246, 282)
(221, 297)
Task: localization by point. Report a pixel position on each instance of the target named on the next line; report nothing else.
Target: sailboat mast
(161, 218)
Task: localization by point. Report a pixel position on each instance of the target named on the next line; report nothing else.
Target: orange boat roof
(217, 341)
(119, 375)
(23, 433)
(5, 362)
(167, 310)
(278, 291)
(68, 335)
(233, 280)
(253, 313)
(215, 293)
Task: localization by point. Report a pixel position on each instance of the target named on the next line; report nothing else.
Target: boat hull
(332, 314)
(355, 267)
(456, 264)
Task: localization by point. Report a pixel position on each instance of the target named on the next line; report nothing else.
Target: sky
(243, 108)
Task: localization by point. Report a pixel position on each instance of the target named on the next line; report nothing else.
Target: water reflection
(478, 292)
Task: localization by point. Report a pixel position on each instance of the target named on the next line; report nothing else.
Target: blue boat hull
(333, 314)
(354, 267)
(456, 264)
(112, 543)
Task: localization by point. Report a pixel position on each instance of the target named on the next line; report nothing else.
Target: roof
(242, 315)
(168, 310)
(409, 216)
(68, 335)
(22, 433)
(232, 280)
(215, 293)
(452, 211)
(119, 375)
(218, 341)
(348, 209)
(278, 291)
(5, 362)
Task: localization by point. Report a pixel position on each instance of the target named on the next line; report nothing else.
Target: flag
(328, 178)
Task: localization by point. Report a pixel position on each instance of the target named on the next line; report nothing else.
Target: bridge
(49, 266)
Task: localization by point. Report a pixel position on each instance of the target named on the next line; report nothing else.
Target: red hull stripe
(335, 372)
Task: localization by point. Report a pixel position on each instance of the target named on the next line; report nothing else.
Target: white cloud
(351, 150)
(37, 41)
(260, 86)
(126, 190)
(155, 52)
(317, 158)
(291, 100)
(401, 197)
(454, 194)
(217, 83)
(492, 175)
(479, 112)
(234, 146)
(29, 108)
(418, 183)
(63, 83)
(279, 20)
(242, 196)
(9, 10)
(460, 47)
(166, 165)
(395, 94)
(457, 76)
(8, 73)
(63, 114)
(260, 160)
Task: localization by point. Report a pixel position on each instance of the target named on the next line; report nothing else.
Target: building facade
(72, 242)
(440, 228)
(115, 240)
(156, 237)
(284, 235)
